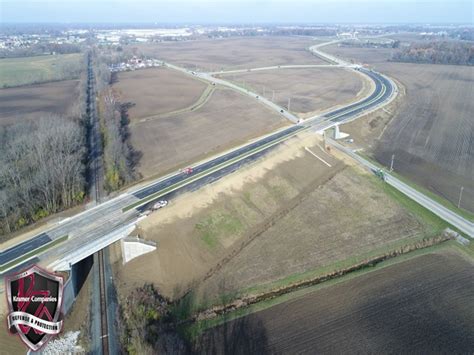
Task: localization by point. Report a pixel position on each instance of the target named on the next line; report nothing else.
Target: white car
(160, 204)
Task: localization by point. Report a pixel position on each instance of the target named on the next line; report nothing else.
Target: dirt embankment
(199, 229)
(239, 229)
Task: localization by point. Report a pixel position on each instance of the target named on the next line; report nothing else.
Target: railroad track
(104, 336)
(95, 168)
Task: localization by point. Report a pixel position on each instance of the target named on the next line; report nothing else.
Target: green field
(40, 69)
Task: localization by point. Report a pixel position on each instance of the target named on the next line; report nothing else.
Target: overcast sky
(238, 11)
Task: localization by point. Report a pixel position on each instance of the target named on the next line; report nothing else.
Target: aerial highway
(107, 222)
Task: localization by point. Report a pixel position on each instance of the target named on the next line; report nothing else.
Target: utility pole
(391, 163)
(289, 102)
(273, 95)
(460, 196)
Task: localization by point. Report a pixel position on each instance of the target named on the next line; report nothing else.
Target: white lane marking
(324, 161)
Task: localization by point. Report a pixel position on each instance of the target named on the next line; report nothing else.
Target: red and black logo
(34, 298)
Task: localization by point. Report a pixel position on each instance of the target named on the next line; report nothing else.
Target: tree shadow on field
(245, 335)
(415, 320)
(134, 155)
(114, 78)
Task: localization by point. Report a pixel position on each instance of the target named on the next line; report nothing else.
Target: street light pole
(391, 163)
(460, 196)
(289, 102)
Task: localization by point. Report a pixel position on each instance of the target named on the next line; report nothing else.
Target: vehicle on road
(159, 204)
(188, 171)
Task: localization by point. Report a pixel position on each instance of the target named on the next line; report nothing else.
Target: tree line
(40, 49)
(41, 170)
(437, 52)
(119, 157)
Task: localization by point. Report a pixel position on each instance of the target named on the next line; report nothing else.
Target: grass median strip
(32, 253)
(210, 171)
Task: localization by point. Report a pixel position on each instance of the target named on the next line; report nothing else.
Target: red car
(188, 171)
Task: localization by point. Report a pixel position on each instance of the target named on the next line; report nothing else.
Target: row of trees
(119, 156)
(371, 44)
(41, 169)
(437, 52)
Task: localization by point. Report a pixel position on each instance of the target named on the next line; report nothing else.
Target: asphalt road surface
(23, 248)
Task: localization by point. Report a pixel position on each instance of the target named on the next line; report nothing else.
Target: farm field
(233, 53)
(39, 69)
(424, 304)
(225, 120)
(248, 221)
(30, 102)
(311, 90)
(156, 91)
(360, 55)
(431, 132)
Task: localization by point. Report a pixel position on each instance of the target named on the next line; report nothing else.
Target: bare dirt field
(431, 131)
(227, 119)
(233, 53)
(311, 90)
(250, 220)
(156, 91)
(422, 305)
(431, 134)
(32, 101)
(360, 55)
